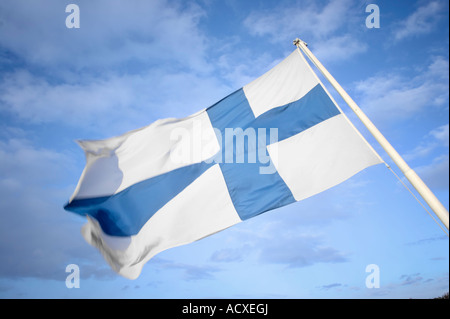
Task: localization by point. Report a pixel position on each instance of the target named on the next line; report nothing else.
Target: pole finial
(297, 42)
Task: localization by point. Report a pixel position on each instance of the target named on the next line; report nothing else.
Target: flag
(279, 139)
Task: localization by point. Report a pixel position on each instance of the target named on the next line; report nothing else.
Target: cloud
(190, 272)
(227, 255)
(111, 33)
(395, 96)
(117, 101)
(267, 241)
(434, 145)
(438, 258)
(420, 22)
(414, 285)
(339, 48)
(23, 165)
(427, 240)
(286, 22)
(126, 287)
(127, 64)
(298, 251)
(330, 286)
(412, 279)
(330, 27)
(436, 138)
(436, 174)
(441, 134)
(37, 238)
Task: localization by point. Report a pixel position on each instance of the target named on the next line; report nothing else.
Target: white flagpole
(409, 173)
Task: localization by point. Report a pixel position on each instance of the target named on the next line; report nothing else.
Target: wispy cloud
(412, 279)
(420, 22)
(410, 285)
(436, 138)
(434, 147)
(438, 258)
(326, 25)
(330, 286)
(228, 255)
(287, 22)
(272, 244)
(35, 238)
(111, 101)
(299, 251)
(110, 34)
(427, 240)
(435, 174)
(190, 272)
(441, 134)
(339, 48)
(126, 66)
(396, 96)
(294, 249)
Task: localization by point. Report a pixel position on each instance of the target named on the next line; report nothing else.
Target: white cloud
(339, 48)
(435, 174)
(24, 165)
(127, 65)
(270, 239)
(299, 251)
(395, 96)
(227, 255)
(426, 286)
(331, 286)
(433, 151)
(436, 138)
(118, 101)
(421, 21)
(111, 33)
(441, 134)
(35, 238)
(190, 272)
(329, 27)
(287, 22)
(428, 240)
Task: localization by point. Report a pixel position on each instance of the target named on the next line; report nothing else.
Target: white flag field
(279, 139)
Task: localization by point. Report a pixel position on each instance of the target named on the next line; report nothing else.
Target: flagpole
(409, 173)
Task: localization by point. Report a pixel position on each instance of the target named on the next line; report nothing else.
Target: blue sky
(133, 62)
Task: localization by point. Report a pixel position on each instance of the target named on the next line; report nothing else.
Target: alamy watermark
(373, 279)
(73, 279)
(234, 145)
(373, 19)
(73, 19)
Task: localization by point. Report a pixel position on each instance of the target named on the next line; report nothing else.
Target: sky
(131, 63)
